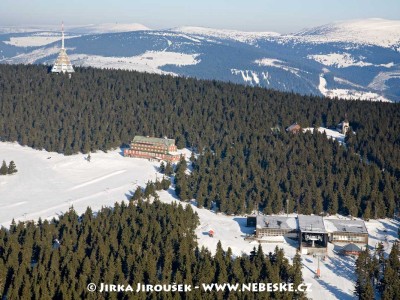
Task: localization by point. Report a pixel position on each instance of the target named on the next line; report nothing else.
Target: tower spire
(62, 37)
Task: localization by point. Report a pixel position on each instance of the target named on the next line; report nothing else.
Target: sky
(283, 16)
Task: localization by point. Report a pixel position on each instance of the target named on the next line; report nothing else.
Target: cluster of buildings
(153, 149)
(312, 232)
(343, 127)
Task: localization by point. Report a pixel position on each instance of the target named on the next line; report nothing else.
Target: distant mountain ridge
(375, 32)
(353, 59)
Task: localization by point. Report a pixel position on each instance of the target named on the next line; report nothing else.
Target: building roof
(353, 226)
(153, 140)
(293, 127)
(62, 64)
(351, 248)
(311, 224)
(277, 222)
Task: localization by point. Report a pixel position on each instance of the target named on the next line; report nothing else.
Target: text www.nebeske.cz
(207, 287)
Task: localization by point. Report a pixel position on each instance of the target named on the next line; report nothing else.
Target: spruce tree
(162, 167)
(12, 168)
(3, 168)
(138, 194)
(169, 170)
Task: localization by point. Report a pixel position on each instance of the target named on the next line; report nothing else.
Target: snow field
(47, 184)
(150, 61)
(348, 94)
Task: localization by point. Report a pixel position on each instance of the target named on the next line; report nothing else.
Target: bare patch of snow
(379, 82)
(343, 60)
(276, 63)
(332, 134)
(241, 36)
(255, 77)
(344, 81)
(339, 60)
(108, 28)
(26, 29)
(150, 61)
(36, 40)
(348, 94)
(271, 62)
(249, 76)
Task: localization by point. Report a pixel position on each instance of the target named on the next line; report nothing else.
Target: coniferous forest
(248, 161)
(377, 274)
(129, 244)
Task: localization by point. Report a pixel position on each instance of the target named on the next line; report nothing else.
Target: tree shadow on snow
(242, 221)
(172, 192)
(343, 266)
(121, 150)
(129, 195)
(339, 294)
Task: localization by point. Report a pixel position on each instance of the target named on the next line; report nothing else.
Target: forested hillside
(248, 161)
(129, 244)
(378, 274)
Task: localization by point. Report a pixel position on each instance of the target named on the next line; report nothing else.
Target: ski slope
(47, 184)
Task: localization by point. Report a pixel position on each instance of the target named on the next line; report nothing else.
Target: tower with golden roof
(62, 64)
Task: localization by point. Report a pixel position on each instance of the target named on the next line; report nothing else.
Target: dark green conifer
(12, 168)
(3, 168)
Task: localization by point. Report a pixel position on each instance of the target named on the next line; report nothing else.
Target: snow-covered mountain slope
(241, 36)
(108, 28)
(358, 59)
(377, 32)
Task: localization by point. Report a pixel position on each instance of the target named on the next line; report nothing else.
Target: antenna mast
(62, 37)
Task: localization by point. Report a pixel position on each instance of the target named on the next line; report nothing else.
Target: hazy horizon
(284, 17)
(70, 27)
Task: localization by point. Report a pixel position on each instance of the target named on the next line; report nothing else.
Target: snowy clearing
(379, 82)
(348, 94)
(344, 60)
(150, 61)
(330, 133)
(47, 184)
(240, 36)
(249, 76)
(339, 60)
(36, 40)
(107, 28)
(276, 63)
